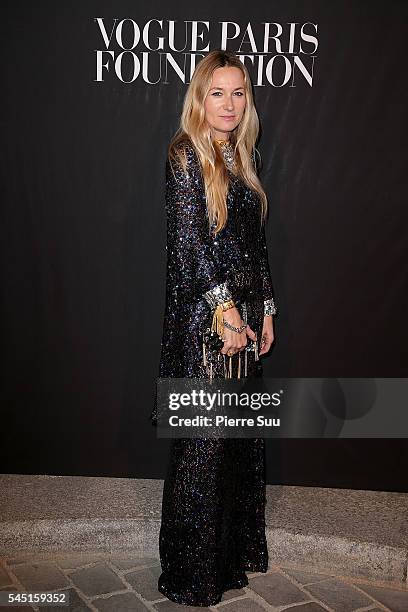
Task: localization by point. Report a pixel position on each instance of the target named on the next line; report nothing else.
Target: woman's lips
(228, 118)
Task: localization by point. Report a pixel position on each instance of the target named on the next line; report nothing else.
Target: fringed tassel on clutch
(218, 321)
(256, 351)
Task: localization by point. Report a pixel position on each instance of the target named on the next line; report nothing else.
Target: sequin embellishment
(213, 509)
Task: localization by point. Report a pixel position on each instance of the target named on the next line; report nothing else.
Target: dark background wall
(83, 226)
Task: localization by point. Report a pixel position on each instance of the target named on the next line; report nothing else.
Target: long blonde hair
(194, 127)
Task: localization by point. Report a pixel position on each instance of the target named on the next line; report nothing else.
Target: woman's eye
(238, 93)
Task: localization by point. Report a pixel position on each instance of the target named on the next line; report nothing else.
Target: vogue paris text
(159, 51)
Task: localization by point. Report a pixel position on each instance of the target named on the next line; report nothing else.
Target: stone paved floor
(112, 583)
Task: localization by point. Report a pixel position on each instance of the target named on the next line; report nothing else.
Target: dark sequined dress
(213, 508)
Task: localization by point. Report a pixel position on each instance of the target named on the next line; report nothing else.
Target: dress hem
(188, 600)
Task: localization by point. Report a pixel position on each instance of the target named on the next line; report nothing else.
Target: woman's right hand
(234, 341)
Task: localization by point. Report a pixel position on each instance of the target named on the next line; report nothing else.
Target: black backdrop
(83, 226)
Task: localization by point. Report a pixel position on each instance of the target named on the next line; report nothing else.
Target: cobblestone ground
(114, 584)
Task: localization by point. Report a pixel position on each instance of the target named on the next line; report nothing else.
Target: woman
(213, 510)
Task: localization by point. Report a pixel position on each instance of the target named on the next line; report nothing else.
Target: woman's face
(225, 102)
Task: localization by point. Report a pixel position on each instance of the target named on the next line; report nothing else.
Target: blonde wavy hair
(193, 127)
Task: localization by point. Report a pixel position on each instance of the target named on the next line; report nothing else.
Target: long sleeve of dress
(192, 257)
(265, 269)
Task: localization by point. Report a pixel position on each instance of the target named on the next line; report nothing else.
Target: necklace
(228, 153)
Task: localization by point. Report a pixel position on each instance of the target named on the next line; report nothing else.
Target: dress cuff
(218, 295)
(269, 308)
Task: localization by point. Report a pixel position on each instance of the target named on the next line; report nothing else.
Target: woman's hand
(233, 341)
(267, 334)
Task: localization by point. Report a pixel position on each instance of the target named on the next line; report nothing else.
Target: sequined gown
(213, 508)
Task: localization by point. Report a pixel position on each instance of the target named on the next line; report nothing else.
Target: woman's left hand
(267, 335)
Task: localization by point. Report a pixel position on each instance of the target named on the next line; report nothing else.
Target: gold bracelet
(227, 305)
